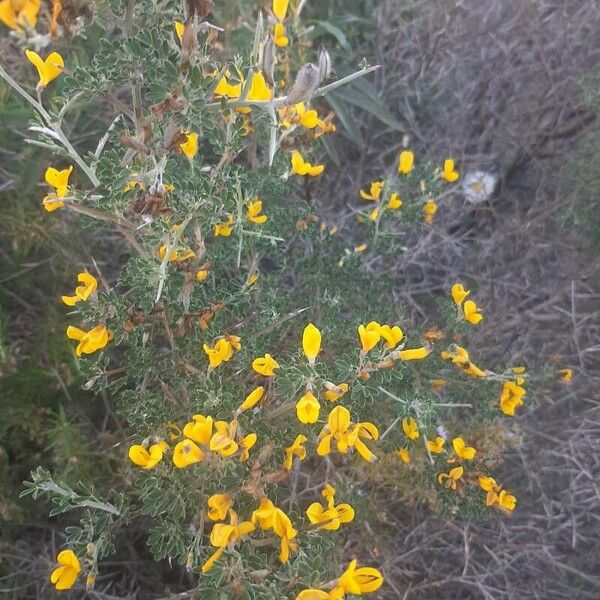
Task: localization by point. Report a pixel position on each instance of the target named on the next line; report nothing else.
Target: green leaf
(337, 33)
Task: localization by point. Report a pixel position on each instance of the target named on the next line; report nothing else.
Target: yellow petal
(311, 342)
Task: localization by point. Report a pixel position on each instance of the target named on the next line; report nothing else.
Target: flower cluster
(468, 309)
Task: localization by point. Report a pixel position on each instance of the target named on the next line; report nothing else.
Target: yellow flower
(186, 453)
(246, 444)
(64, 576)
(404, 455)
(394, 202)
(48, 69)
(190, 147)
(224, 229)
(511, 397)
(369, 335)
(472, 313)
(338, 424)
(463, 451)
(84, 291)
(218, 507)
(19, 14)
(265, 365)
(332, 517)
(147, 459)
(221, 352)
(406, 162)
(450, 174)
(566, 375)
(313, 594)
(363, 430)
(224, 535)
(223, 440)
(59, 180)
(392, 335)
(308, 408)
(450, 479)
(301, 167)
(334, 392)
(308, 118)
(252, 399)
(296, 449)
(459, 293)
(179, 29)
(429, 209)
(311, 342)
(409, 426)
(280, 8)
(228, 90)
(201, 275)
(268, 516)
(489, 485)
(374, 214)
(259, 90)
(374, 192)
(460, 357)
(414, 353)
(252, 279)
(359, 581)
(176, 256)
(90, 341)
(436, 446)
(279, 36)
(360, 248)
(253, 214)
(506, 500)
(199, 430)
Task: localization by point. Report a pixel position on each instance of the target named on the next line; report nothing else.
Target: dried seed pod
(268, 61)
(306, 83)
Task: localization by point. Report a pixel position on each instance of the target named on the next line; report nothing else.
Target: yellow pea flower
(218, 506)
(314, 594)
(450, 174)
(307, 118)
(392, 335)
(460, 357)
(65, 575)
(369, 336)
(566, 375)
(363, 430)
(308, 408)
(296, 449)
(19, 14)
(334, 392)
(394, 202)
(414, 353)
(186, 453)
(280, 8)
(224, 229)
(511, 397)
(436, 446)
(59, 180)
(223, 440)
(48, 69)
(252, 279)
(89, 341)
(147, 459)
(463, 451)
(506, 500)
(179, 29)
(311, 342)
(336, 430)
(88, 286)
(202, 275)
(252, 399)
(410, 428)
(265, 365)
(429, 209)
(362, 580)
(302, 167)
(374, 214)
(268, 516)
(374, 192)
(449, 480)
(199, 430)
(459, 293)
(406, 162)
(259, 90)
(472, 313)
(221, 352)
(489, 485)
(330, 517)
(190, 147)
(253, 213)
(279, 37)
(226, 89)
(246, 444)
(404, 455)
